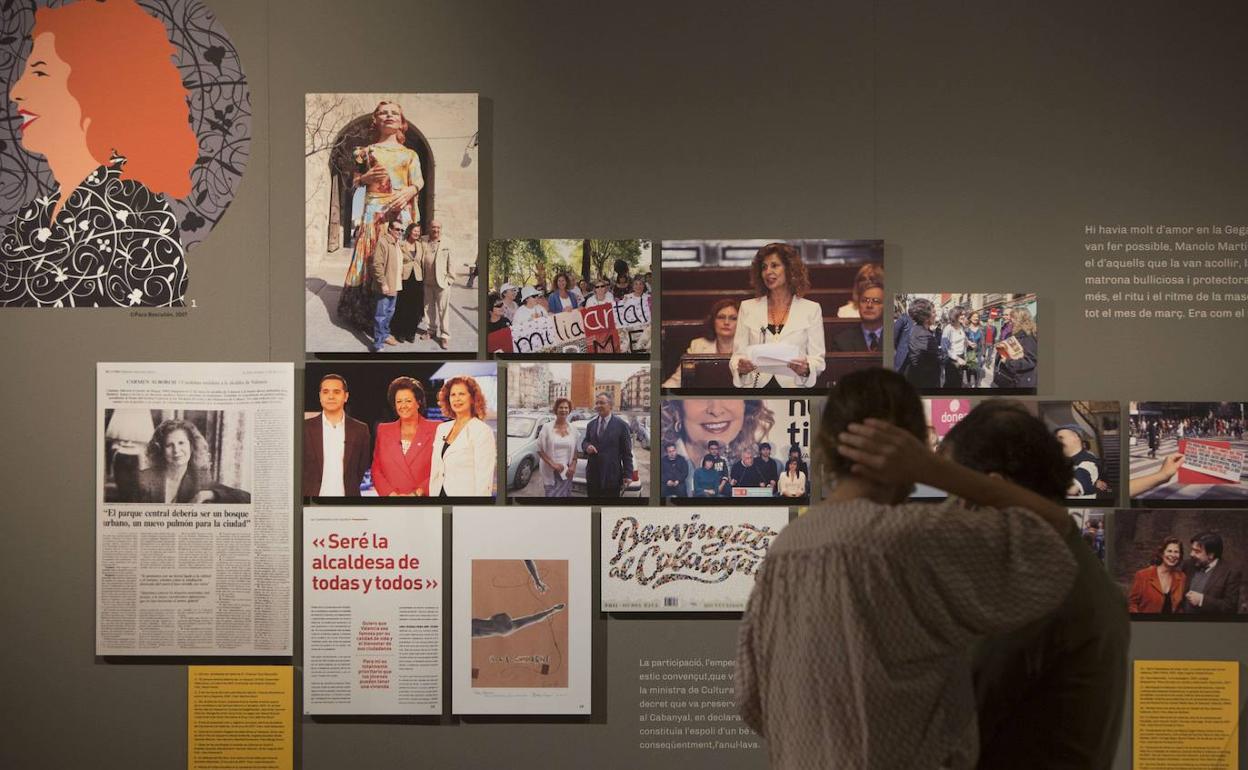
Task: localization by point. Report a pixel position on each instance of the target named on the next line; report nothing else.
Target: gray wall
(977, 139)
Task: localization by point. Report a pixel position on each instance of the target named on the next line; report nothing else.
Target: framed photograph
(578, 430)
(1188, 453)
(769, 315)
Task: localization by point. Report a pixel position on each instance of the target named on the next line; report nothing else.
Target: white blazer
(803, 330)
(472, 457)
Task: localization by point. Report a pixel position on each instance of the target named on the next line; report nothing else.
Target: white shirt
(593, 300)
(792, 487)
(560, 449)
(526, 313)
(803, 330)
(333, 450)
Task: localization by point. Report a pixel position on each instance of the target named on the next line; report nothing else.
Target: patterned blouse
(855, 648)
(115, 243)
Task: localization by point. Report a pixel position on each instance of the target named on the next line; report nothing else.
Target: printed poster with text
(520, 611)
(683, 559)
(372, 616)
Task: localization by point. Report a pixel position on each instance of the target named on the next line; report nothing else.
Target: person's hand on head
(886, 454)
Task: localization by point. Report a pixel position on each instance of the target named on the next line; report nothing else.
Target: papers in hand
(773, 357)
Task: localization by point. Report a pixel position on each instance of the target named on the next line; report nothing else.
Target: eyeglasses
(870, 301)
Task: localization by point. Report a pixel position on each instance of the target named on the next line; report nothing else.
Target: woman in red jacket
(404, 451)
(1159, 589)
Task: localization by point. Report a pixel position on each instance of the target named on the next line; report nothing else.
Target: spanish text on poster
(372, 618)
(194, 509)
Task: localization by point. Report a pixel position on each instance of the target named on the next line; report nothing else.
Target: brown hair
(406, 383)
(869, 276)
(1162, 549)
(875, 392)
(755, 425)
(709, 326)
(200, 459)
(475, 409)
(794, 269)
(558, 401)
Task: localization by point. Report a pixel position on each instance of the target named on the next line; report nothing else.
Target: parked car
(579, 487)
(523, 432)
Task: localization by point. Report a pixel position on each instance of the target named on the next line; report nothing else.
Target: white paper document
(773, 357)
(194, 509)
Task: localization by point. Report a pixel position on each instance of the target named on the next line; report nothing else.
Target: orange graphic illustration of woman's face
(51, 116)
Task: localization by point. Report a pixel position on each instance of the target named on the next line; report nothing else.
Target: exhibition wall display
(454, 471)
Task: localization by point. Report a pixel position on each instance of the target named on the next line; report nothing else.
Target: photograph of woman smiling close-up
(128, 134)
(732, 448)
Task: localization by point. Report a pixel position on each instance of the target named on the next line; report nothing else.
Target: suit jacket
(396, 472)
(851, 340)
(387, 264)
(467, 468)
(442, 274)
(803, 330)
(355, 455)
(1221, 591)
(1146, 595)
(613, 463)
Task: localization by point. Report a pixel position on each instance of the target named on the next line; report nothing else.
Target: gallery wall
(977, 141)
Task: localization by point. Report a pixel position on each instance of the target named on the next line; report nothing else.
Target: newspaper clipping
(194, 509)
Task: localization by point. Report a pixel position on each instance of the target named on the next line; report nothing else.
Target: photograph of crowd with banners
(1188, 453)
(389, 429)
(578, 430)
(1181, 564)
(744, 450)
(1089, 433)
(963, 342)
(769, 315)
(569, 296)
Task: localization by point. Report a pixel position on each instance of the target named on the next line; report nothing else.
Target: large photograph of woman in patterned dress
(391, 239)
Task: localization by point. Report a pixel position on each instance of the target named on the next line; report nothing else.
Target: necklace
(776, 315)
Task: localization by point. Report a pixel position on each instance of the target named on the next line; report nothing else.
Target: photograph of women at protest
(176, 456)
(391, 222)
(569, 296)
(114, 162)
(768, 315)
(746, 449)
(960, 343)
(1181, 564)
(1189, 453)
(578, 430)
(1089, 433)
(400, 430)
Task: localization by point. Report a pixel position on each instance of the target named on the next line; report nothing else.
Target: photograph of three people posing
(400, 430)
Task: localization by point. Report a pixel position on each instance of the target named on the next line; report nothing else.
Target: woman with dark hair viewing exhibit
(464, 455)
(1159, 588)
(390, 172)
(180, 469)
(101, 100)
(779, 324)
(403, 452)
(855, 647)
(718, 335)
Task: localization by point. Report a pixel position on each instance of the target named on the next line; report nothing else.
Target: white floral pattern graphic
(114, 244)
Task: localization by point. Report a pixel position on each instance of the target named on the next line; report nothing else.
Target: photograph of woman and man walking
(962, 342)
(1189, 453)
(1181, 564)
(770, 316)
(400, 430)
(543, 293)
(391, 223)
(578, 430)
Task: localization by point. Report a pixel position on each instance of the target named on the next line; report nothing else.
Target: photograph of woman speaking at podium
(746, 443)
(966, 342)
(162, 456)
(769, 316)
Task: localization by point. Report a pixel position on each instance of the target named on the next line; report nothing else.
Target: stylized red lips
(32, 117)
